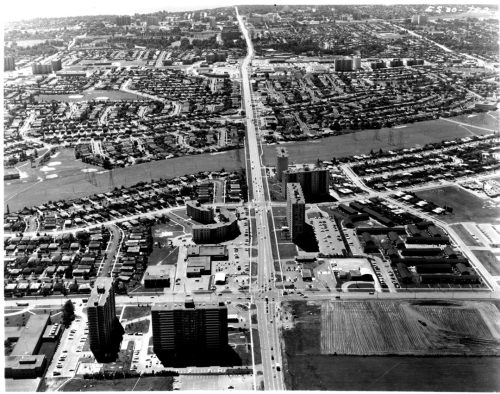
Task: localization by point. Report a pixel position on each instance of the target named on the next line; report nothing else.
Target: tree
(68, 312)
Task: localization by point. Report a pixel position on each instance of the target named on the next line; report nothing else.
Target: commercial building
(101, 314)
(157, 276)
(31, 339)
(217, 232)
(281, 162)
(24, 362)
(198, 266)
(199, 212)
(9, 63)
(25, 367)
(313, 181)
(178, 327)
(215, 252)
(295, 210)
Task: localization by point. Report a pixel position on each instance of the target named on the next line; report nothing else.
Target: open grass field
(393, 328)
(363, 141)
(73, 183)
(287, 250)
(141, 326)
(135, 312)
(351, 373)
(390, 328)
(164, 256)
(464, 235)
(489, 261)
(466, 206)
(154, 383)
(468, 324)
(91, 95)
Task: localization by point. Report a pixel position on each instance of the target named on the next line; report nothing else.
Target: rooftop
(188, 305)
(100, 292)
(281, 152)
(30, 337)
(158, 271)
(294, 193)
(207, 250)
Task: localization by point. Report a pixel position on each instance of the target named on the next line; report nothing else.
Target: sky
(27, 9)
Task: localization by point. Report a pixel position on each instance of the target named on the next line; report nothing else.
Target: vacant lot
(216, 382)
(489, 261)
(154, 383)
(287, 250)
(91, 95)
(465, 236)
(383, 328)
(351, 373)
(466, 206)
(164, 256)
(135, 312)
(393, 328)
(372, 323)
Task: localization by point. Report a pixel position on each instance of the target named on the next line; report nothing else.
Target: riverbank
(37, 189)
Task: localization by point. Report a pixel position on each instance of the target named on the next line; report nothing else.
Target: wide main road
(263, 293)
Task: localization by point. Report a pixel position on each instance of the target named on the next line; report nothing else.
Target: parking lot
(71, 347)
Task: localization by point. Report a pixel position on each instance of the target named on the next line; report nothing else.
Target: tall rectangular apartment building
(281, 162)
(313, 181)
(295, 210)
(178, 326)
(101, 313)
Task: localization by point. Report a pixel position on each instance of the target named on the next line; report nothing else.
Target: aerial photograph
(227, 195)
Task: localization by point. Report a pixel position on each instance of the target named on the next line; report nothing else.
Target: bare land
(91, 95)
(465, 236)
(403, 328)
(489, 261)
(397, 373)
(155, 383)
(394, 328)
(466, 206)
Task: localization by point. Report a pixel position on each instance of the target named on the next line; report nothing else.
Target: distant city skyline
(30, 9)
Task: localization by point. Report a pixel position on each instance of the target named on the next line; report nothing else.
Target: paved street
(268, 325)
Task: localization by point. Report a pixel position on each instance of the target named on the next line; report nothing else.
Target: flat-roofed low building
(220, 278)
(25, 367)
(157, 276)
(215, 252)
(31, 339)
(24, 362)
(198, 265)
